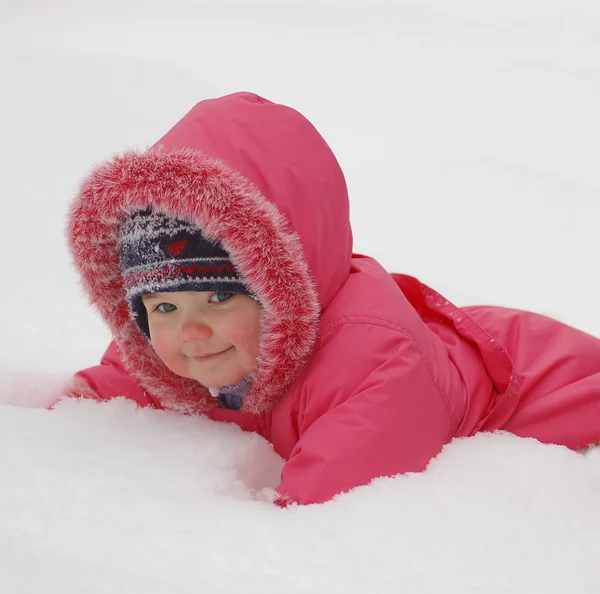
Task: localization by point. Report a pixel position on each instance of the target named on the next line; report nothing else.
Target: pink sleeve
(108, 380)
(393, 419)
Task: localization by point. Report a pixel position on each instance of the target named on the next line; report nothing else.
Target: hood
(256, 177)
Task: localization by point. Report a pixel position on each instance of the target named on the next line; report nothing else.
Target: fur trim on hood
(251, 174)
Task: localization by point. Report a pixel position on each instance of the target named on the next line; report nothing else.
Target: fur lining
(229, 209)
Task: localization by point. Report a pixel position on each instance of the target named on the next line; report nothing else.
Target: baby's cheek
(168, 354)
(245, 337)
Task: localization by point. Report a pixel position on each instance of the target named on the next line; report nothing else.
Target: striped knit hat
(164, 254)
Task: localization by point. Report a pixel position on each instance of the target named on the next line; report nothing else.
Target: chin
(224, 383)
(219, 382)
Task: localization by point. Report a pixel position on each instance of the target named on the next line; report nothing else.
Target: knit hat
(165, 254)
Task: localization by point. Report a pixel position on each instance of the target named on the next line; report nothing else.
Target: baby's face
(210, 337)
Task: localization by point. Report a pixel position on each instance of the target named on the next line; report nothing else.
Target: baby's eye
(165, 307)
(220, 297)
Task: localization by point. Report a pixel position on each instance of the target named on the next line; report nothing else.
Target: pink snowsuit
(361, 373)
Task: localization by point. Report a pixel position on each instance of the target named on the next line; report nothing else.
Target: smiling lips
(210, 356)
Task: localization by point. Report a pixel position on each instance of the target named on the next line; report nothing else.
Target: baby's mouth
(209, 356)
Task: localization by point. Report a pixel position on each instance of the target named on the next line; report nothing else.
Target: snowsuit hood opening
(256, 177)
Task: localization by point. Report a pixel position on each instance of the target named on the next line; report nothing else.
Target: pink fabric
(396, 370)
(286, 158)
(109, 380)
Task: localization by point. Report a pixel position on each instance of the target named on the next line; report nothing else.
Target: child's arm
(388, 416)
(107, 380)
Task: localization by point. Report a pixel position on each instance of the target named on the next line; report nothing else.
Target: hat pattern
(161, 254)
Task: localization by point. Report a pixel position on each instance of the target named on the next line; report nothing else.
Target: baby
(221, 259)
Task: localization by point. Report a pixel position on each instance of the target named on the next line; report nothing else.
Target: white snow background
(469, 133)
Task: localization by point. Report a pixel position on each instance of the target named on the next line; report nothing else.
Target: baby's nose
(192, 330)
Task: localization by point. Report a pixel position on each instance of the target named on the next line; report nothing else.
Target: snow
(105, 498)
(468, 132)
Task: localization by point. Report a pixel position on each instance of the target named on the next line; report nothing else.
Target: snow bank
(110, 498)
